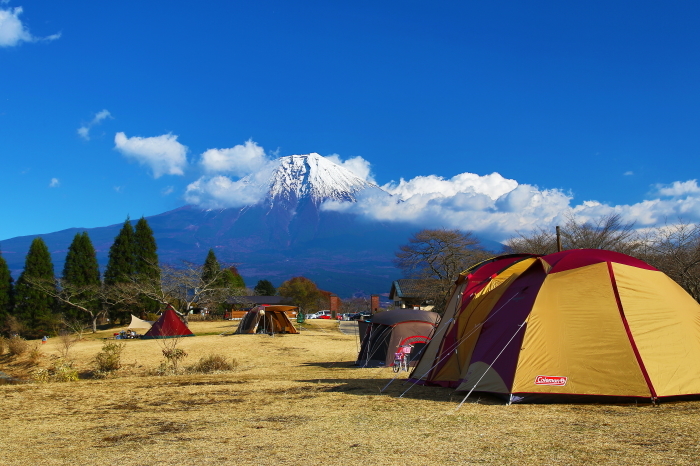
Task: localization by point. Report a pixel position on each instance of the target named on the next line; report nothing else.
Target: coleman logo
(550, 380)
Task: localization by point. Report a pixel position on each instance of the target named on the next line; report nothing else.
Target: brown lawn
(297, 399)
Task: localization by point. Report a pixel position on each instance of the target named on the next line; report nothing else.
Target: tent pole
(559, 247)
(491, 365)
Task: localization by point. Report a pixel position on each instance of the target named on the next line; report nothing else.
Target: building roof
(413, 288)
(258, 300)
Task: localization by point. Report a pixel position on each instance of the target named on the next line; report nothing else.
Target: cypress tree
(146, 262)
(81, 266)
(35, 309)
(6, 290)
(211, 268)
(81, 271)
(121, 264)
(145, 250)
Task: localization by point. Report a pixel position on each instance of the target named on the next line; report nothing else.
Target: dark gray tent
(391, 329)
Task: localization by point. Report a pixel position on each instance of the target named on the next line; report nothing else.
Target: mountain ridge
(285, 234)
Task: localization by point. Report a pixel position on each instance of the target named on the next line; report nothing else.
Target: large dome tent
(577, 325)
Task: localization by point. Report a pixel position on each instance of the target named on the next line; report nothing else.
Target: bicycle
(402, 358)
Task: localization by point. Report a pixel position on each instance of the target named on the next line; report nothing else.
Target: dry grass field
(297, 399)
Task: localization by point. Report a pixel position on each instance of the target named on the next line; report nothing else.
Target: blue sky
(590, 107)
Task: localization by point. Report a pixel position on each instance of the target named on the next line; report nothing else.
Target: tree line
(133, 283)
(441, 254)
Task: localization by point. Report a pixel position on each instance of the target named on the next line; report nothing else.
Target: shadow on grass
(400, 388)
(330, 364)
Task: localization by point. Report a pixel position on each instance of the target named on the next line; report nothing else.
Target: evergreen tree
(6, 290)
(81, 272)
(265, 288)
(81, 266)
(211, 270)
(34, 308)
(146, 262)
(121, 265)
(145, 251)
(233, 278)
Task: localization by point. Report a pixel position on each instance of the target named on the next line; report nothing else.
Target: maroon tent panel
(168, 326)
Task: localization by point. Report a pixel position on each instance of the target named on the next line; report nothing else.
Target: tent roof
(277, 308)
(397, 316)
(139, 323)
(168, 326)
(575, 258)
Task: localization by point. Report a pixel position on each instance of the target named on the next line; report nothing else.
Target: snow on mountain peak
(315, 177)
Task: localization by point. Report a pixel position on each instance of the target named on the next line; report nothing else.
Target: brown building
(413, 293)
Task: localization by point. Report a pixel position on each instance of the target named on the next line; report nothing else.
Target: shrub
(109, 358)
(64, 372)
(60, 371)
(174, 356)
(17, 346)
(213, 363)
(3, 345)
(34, 354)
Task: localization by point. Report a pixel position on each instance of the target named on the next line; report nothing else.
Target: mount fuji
(286, 233)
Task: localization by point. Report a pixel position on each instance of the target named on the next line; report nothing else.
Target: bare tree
(186, 287)
(439, 255)
(538, 241)
(91, 300)
(606, 232)
(675, 250)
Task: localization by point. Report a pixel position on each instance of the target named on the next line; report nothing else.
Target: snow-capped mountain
(286, 234)
(315, 177)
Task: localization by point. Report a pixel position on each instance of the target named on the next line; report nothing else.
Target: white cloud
(13, 32)
(248, 162)
(678, 188)
(239, 160)
(493, 186)
(491, 205)
(222, 192)
(54, 183)
(163, 154)
(628, 173)
(356, 165)
(484, 205)
(84, 131)
(168, 190)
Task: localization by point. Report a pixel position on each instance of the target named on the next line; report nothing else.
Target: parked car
(321, 315)
(364, 315)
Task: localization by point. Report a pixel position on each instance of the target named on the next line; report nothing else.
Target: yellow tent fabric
(575, 325)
